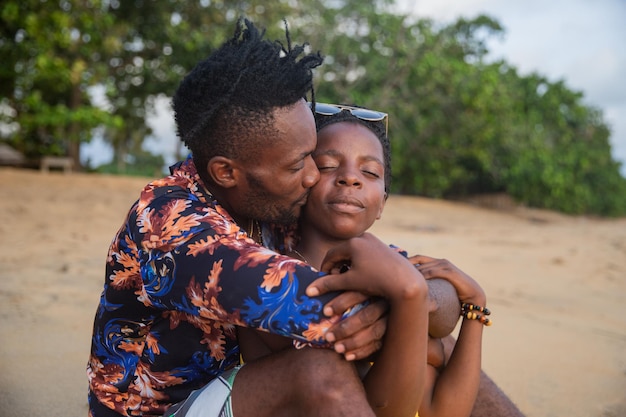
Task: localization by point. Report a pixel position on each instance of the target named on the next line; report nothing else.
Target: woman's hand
(375, 270)
(468, 290)
(377, 273)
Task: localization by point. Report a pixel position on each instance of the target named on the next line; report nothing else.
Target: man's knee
(300, 382)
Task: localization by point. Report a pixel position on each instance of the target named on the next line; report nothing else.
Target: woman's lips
(346, 205)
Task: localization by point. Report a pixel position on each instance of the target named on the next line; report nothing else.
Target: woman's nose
(348, 177)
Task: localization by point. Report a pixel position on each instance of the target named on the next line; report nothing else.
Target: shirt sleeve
(194, 261)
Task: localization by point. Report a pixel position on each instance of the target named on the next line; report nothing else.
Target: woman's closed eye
(371, 173)
(326, 168)
(326, 164)
(372, 169)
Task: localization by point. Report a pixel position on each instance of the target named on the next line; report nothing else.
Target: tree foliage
(50, 55)
(462, 125)
(459, 123)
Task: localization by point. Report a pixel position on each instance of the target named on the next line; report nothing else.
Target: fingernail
(312, 292)
(328, 311)
(350, 357)
(339, 348)
(330, 337)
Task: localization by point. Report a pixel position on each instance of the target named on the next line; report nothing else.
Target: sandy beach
(556, 285)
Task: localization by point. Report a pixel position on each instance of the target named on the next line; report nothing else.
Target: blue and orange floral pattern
(180, 275)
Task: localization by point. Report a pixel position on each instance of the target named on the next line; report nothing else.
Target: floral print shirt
(180, 275)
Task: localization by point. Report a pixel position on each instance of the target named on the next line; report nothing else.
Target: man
(188, 264)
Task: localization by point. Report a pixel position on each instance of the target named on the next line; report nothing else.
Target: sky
(578, 41)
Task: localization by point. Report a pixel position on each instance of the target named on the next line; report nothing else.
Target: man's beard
(263, 207)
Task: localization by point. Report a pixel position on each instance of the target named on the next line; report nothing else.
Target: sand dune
(556, 285)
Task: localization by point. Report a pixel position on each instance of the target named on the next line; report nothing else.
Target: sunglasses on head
(326, 109)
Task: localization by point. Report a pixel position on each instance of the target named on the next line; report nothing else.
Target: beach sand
(556, 285)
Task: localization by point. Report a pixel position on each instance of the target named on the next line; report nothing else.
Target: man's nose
(312, 175)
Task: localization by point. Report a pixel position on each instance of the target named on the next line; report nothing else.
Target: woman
(353, 157)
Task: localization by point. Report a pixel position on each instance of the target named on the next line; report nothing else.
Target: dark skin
(345, 202)
(322, 382)
(285, 171)
(447, 395)
(491, 400)
(286, 187)
(344, 162)
(326, 375)
(403, 359)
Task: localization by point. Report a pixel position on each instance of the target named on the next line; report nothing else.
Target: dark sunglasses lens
(368, 114)
(326, 109)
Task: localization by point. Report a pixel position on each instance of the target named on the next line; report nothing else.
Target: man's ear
(223, 171)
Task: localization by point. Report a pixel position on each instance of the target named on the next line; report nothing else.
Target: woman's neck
(313, 246)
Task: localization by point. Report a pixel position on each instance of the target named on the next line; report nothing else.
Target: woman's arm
(453, 390)
(395, 382)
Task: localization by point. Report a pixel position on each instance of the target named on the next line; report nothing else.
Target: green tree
(425, 78)
(562, 158)
(459, 123)
(53, 53)
(49, 57)
(155, 45)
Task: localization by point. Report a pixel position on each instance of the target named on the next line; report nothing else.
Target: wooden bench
(62, 162)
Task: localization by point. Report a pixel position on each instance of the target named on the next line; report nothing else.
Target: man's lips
(302, 201)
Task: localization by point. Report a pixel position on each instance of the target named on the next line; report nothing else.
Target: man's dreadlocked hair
(378, 128)
(225, 105)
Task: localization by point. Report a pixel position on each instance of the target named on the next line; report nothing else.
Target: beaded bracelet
(469, 307)
(467, 311)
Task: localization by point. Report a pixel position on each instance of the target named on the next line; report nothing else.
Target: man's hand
(359, 335)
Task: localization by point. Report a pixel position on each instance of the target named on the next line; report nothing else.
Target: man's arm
(205, 269)
(255, 344)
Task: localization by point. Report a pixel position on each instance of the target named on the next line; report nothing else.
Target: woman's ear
(223, 171)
